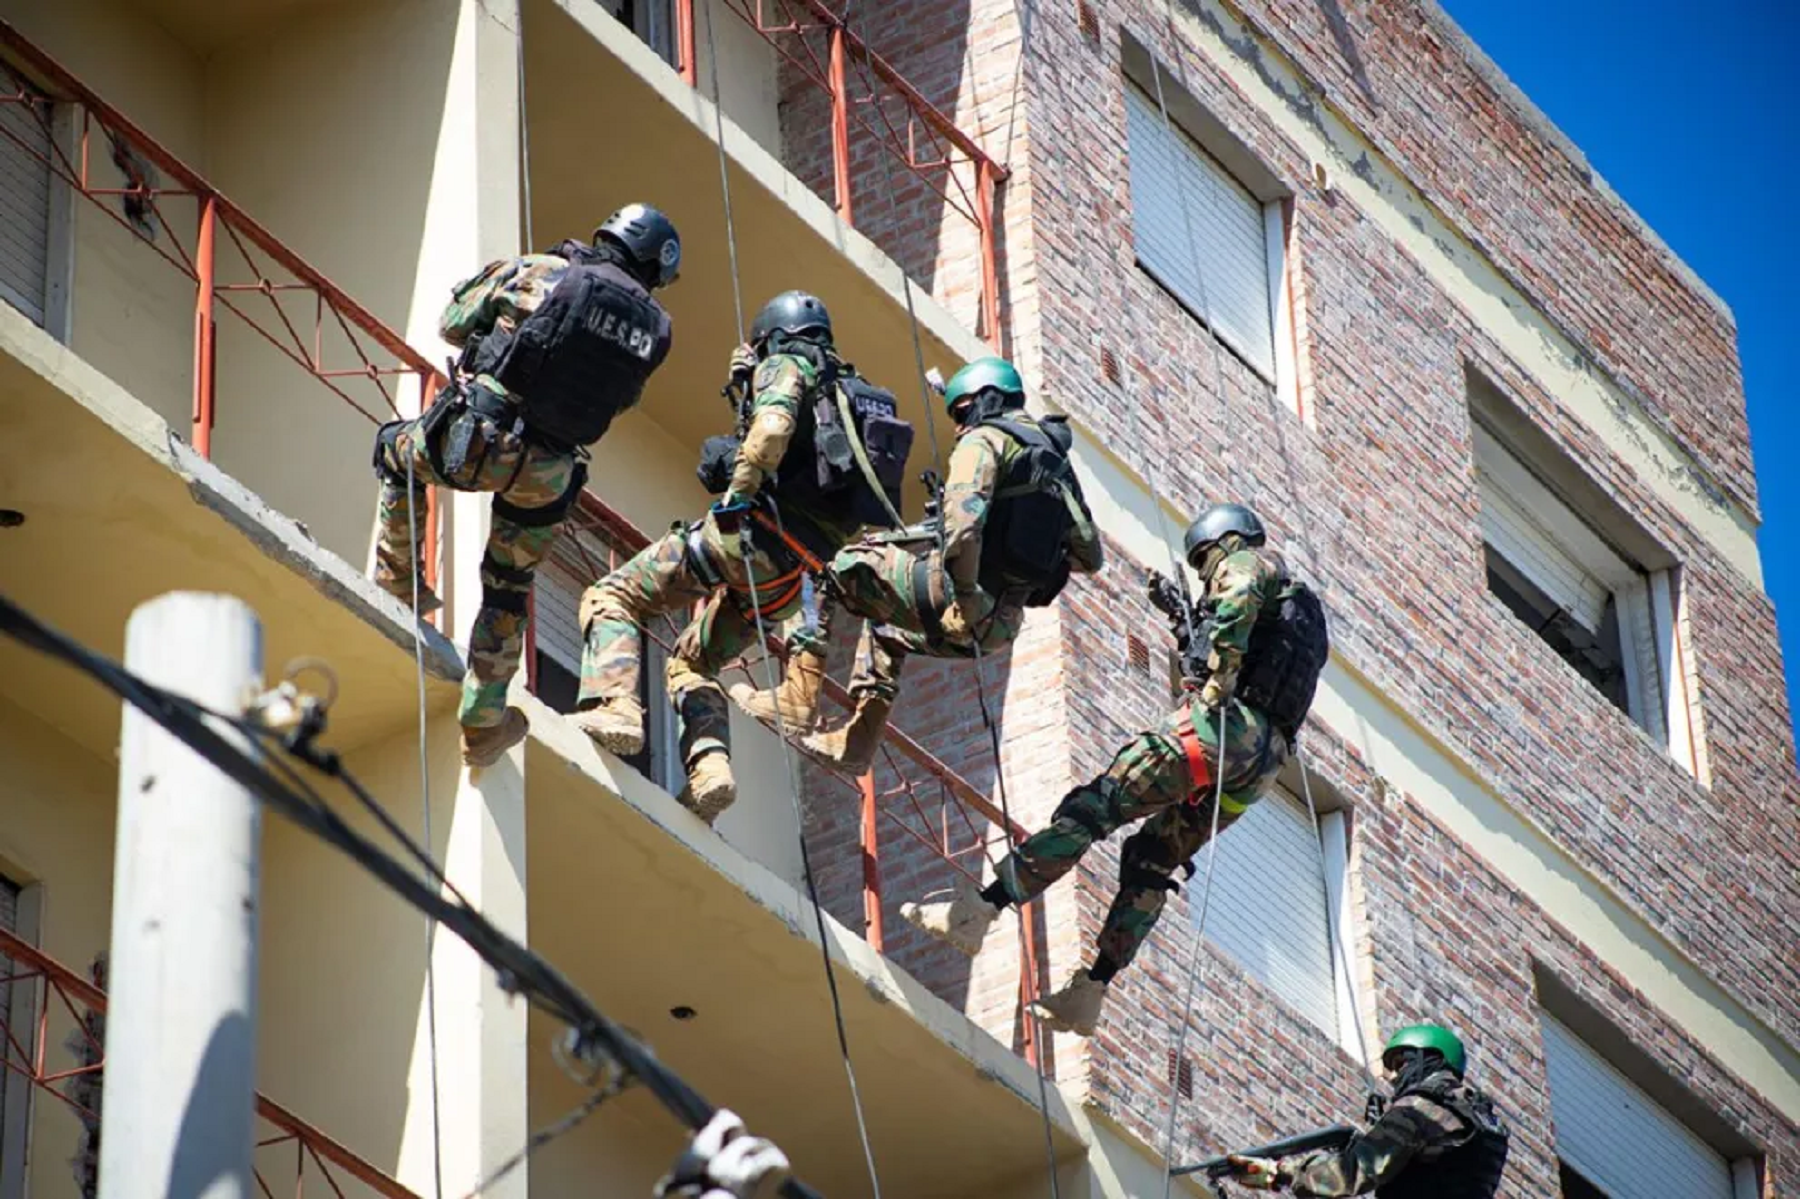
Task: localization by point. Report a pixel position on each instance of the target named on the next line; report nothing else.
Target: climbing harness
(747, 549)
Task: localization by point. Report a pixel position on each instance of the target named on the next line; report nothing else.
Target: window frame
(1205, 135)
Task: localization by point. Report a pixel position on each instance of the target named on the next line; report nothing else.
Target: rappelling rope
(412, 524)
(772, 671)
(937, 462)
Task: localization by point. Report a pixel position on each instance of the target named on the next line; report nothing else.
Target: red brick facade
(1373, 496)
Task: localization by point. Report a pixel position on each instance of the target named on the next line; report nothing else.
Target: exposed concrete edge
(773, 177)
(1441, 779)
(280, 538)
(1541, 124)
(1475, 279)
(883, 981)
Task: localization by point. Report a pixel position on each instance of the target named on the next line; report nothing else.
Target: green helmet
(1429, 1036)
(981, 375)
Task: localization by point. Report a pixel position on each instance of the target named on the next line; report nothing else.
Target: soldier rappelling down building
(1438, 1137)
(1012, 525)
(1253, 647)
(554, 346)
(820, 455)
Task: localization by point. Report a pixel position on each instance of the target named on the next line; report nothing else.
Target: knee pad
(1142, 864)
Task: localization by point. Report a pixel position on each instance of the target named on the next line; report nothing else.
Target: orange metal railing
(234, 262)
(885, 107)
(314, 1155)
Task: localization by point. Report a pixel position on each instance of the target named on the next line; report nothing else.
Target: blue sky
(1682, 107)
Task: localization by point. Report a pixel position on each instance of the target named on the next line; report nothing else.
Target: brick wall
(1373, 497)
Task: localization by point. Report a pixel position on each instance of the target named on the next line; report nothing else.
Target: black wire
(543, 1136)
(520, 970)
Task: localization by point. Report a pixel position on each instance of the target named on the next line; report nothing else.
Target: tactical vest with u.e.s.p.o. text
(583, 356)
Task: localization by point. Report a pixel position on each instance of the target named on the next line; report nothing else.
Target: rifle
(1171, 598)
(1215, 1168)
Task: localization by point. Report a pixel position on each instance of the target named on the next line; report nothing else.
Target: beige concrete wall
(327, 130)
(749, 72)
(56, 832)
(341, 1028)
(132, 311)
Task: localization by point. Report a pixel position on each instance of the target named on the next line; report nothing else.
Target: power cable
(521, 971)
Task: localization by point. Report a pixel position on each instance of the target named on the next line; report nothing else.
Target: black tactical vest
(1025, 544)
(820, 468)
(583, 357)
(1471, 1168)
(1289, 646)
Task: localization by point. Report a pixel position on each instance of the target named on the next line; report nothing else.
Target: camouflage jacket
(1413, 1130)
(502, 295)
(781, 387)
(977, 463)
(1232, 598)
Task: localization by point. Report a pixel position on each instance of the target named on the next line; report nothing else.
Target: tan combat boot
(711, 788)
(615, 725)
(852, 747)
(1075, 1008)
(962, 921)
(796, 699)
(483, 746)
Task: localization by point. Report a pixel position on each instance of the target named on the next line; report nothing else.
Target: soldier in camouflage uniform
(1168, 777)
(1439, 1137)
(917, 598)
(793, 362)
(483, 435)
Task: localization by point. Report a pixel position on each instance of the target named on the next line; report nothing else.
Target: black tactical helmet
(648, 239)
(1214, 523)
(793, 313)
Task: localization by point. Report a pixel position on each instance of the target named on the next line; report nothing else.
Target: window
(651, 20)
(26, 233)
(1202, 233)
(556, 598)
(1613, 1140)
(1597, 608)
(1268, 909)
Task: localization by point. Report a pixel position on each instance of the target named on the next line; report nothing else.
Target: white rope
(771, 672)
(412, 525)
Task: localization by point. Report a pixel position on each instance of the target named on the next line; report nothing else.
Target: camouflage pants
(660, 579)
(880, 583)
(1149, 777)
(525, 480)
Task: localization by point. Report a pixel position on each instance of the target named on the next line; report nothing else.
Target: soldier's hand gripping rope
(722, 1161)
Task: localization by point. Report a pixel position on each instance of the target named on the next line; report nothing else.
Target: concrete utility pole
(181, 1023)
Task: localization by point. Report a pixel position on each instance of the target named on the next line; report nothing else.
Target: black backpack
(1025, 546)
(1289, 647)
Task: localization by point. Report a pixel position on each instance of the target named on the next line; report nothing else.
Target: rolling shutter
(1230, 283)
(1616, 1136)
(1267, 909)
(24, 204)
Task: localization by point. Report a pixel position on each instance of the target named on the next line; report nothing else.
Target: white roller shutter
(1230, 282)
(24, 204)
(1618, 1137)
(1267, 909)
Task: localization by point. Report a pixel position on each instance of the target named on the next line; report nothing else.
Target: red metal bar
(1028, 976)
(204, 329)
(74, 991)
(985, 190)
(431, 383)
(871, 864)
(684, 43)
(840, 127)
